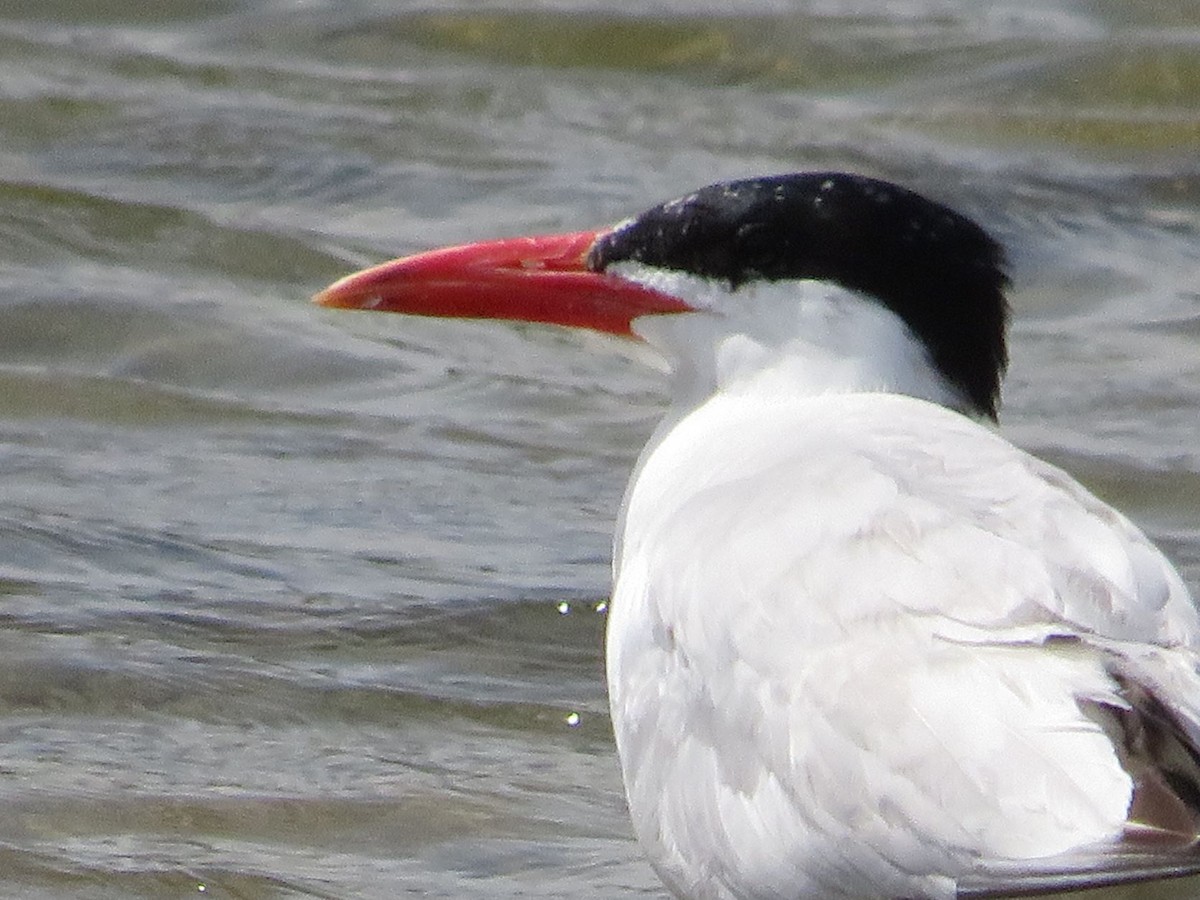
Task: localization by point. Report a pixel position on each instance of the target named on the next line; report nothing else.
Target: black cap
(940, 272)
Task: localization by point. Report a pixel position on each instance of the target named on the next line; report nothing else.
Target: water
(282, 589)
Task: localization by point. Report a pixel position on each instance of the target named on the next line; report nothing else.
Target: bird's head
(773, 262)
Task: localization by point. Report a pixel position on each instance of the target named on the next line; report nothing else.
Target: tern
(859, 644)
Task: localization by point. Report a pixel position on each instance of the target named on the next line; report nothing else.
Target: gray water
(304, 603)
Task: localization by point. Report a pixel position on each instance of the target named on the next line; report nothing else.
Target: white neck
(782, 340)
(785, 339)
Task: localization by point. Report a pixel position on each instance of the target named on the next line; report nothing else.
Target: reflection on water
(280, 589)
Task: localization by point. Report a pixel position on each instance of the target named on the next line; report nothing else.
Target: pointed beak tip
(327, 298)
(345, 293)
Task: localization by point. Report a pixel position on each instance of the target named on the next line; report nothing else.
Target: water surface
(299, 603)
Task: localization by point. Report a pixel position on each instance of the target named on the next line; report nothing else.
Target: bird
(859, 644)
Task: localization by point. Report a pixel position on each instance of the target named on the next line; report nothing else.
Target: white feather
(852, 629)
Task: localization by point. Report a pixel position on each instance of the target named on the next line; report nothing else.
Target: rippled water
(299, 603)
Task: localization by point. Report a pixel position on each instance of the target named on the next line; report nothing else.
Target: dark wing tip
(1177, 870)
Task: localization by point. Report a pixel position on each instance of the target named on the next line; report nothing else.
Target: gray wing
(1130, 874)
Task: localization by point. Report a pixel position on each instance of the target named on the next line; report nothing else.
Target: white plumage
(859, 643)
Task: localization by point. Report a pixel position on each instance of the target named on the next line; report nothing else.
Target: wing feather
(888, 661)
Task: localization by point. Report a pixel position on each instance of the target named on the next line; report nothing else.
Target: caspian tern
(859, 645)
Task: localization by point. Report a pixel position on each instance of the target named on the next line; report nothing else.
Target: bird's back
(857, 640)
